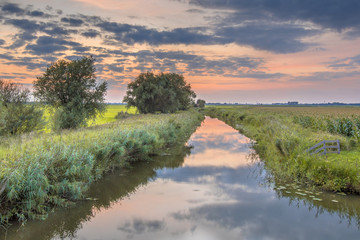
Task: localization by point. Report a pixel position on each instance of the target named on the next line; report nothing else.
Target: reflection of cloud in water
(213, 175)
(219, 157)
(217, 135)
(262, 216)
(138, 226)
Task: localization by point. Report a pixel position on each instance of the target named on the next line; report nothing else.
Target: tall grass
(282, 143)
(41, 171)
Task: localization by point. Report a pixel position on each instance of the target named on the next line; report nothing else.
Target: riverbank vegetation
(41, 169)
(44, 170)
(283, 134)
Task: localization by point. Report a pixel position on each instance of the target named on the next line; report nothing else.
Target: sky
(235, 51)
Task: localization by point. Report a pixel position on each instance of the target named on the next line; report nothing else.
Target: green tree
(200, 103)
(70, 88)
(17, 115)
(165, 92)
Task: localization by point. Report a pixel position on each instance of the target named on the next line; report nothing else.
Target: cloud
(47, 45)
(24, 24)
(75, 22)
(29, 62)
(274, 38)
(195, 11)
(91, 33)
(139, 226)
(334, 14)
(346, 63)
(36, 13)
(131, 34)
(12, 8)
(326, 76)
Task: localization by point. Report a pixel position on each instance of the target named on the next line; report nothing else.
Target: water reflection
(219, 191)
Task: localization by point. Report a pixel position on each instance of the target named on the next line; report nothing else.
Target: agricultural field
(107, 117)
(283, 135)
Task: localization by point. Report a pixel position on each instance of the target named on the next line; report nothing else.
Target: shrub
(17, 115)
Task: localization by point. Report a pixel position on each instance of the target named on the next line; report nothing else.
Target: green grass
(110, 113)
(282, 143)
(45, 170)
(107, 117)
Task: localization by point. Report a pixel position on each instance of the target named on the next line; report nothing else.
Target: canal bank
(215, 189)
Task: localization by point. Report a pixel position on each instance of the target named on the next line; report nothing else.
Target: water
(216, 190)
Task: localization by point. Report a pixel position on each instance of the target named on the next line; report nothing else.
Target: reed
(282, 136)
(43, 170)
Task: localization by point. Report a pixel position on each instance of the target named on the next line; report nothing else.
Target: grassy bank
(41, 171)
(282, 139)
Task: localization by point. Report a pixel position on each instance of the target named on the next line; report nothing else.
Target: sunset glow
(230, 51)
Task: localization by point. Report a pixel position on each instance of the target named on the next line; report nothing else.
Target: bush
(17, 115)
(122, 115)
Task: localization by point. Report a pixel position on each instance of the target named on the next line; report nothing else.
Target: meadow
(282, 135)
(107, 117)
(43, 170)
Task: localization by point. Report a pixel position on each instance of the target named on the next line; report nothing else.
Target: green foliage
(165, 92)
(200, 103)
(70, 87)
(16, 115)
(47, 170)
(122, 115)
(346, 126)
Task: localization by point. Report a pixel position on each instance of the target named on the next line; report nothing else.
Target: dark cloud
(335, 14)
(195, 11)
(24, 24)
(6, 56)
(55, 30)
(116, 68)
(139, 226)
(47, 45)
(22, 39)
(274, 38)
(12, 8)
(91, 33)
(36, 13)
(72, 21)
(82, 49)
(29, 62)
(131, 34)
(2, 42)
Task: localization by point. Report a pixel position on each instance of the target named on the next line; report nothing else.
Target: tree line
(72, 95)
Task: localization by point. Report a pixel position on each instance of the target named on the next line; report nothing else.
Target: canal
(215, 188)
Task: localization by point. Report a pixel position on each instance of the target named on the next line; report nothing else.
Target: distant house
(293, 103)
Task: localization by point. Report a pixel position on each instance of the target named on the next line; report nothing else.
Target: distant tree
(17, 115)
(200, 103)
(70, 88)
(165, 92)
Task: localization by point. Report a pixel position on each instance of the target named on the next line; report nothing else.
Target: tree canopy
(70, 87)
(165, 92)
(16, 115)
